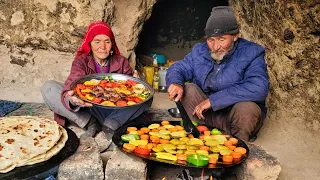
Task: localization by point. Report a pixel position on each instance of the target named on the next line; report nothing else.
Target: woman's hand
(175, 89)
(135, 74)
(202, 107)
(75, 101)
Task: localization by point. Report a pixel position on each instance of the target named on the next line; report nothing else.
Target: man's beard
(215, 56)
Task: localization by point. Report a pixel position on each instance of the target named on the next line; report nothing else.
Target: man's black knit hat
(221, 21)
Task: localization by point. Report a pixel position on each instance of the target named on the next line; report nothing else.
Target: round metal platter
(115, 76)
(117, 140)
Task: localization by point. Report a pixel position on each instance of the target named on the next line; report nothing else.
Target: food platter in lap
(112, 90)
(31, 145)
(172, 145)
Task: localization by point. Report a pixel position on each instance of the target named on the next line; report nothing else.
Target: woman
(97, 54)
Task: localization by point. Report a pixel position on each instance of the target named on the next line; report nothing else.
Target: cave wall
(290, 32)
(39, 38)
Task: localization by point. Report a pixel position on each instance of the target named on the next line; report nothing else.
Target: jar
(149, 73)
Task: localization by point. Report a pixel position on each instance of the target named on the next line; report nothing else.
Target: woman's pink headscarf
(94, 29)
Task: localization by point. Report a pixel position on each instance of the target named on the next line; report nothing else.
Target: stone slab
(125, 166)
(259, 165)
(84, 164)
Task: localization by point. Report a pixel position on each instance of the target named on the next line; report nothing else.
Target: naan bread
(53, 151)
(24, 137)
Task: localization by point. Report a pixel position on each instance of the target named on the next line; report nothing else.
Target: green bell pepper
(193, 122)
(215, 131)
(198, 159)
(129, 137)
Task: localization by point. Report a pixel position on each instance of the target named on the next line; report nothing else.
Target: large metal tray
(115, 76)
(117, 140)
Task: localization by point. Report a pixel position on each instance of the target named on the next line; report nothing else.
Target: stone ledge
(84, 164)
(259, 165)
(125, 166)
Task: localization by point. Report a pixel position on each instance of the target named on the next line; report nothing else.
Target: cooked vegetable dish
(172, 143)
(110, 92)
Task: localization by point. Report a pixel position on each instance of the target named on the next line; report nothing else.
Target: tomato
(81, 86)
(121, 103)
(137, 100)
(202, 128)
(97, 100)
(130, 82)
(109, 85)
(90, 87)
(130, 98)
(103, 83)
(115, 85)
(143, 151)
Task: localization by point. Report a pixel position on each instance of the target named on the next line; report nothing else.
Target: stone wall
(39, 38)
(290, 31)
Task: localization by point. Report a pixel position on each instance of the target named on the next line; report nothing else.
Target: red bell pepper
(131, 83)
(121, 103)
(128, 98)
(103, 83)
(97, 100)
(81, 86)
(143, 151)
(137, 100)
(79, 93)
(109, 85)
(202, 128)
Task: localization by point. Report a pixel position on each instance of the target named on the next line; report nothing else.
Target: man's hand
(175, 89)
(202, 107)
(76, 101)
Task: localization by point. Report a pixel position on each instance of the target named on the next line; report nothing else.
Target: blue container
(161, 59)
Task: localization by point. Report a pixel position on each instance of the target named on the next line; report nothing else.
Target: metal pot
(174, 112)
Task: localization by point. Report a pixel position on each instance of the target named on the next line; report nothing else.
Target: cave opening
(175, 26)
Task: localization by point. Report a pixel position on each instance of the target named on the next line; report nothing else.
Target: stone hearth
(92, 161)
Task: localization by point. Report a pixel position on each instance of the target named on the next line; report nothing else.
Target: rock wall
(290, 32)
(39, 38)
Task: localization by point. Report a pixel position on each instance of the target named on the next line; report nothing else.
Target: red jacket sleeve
(78, 70)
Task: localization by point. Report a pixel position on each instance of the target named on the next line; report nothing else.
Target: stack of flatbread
(27, 140)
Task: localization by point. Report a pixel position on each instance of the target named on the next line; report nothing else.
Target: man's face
(221, 45)
(101, 46)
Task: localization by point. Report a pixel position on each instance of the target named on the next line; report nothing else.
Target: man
(230, 80)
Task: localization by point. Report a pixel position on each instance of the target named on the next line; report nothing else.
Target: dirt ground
(287, 139)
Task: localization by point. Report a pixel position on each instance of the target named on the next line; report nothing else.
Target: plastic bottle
(156, 81)
(162, 79)
(155, 63)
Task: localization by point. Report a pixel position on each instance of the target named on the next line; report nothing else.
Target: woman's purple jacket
(242, 75)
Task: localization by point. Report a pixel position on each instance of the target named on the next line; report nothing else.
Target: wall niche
(175, 26)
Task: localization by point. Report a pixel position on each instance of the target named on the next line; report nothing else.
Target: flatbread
(53, 151)
(24, 137)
